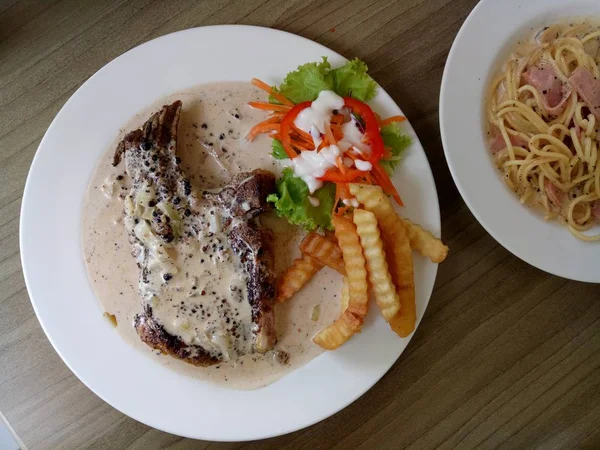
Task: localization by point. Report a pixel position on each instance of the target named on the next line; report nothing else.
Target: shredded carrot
(391, 120)
(303, 134)
(340, 164)
(337, 132)
(329, 135)
(277, 114)
(338, 197)
(269, 106)
(344, 190)
(263, 127)
(265, 87)
(268, 120)
(383, 180)
(302, 145)
(337, 119)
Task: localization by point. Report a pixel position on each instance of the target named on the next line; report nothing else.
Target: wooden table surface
(506, 356)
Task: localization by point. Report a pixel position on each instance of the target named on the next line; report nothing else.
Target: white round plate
(479, 49)
(62, 296)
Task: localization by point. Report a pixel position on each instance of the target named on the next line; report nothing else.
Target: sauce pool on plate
(212, 148)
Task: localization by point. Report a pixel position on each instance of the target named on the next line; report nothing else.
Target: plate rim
(29, 282)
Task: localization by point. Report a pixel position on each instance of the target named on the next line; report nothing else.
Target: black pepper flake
(152, 169)
(237, 116)
(119, 177)
(146, 145)
(187, 213)
(151, 203)
(167, 277)
(221, 136)
(204, 126)
(176, 200)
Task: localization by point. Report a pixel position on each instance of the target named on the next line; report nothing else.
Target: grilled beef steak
(172, 229)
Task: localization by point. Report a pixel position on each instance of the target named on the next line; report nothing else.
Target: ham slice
(588, 88)
(554, 92)
(554, 194)
(497, 143)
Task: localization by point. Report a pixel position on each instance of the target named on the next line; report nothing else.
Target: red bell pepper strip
(382, 179)
(371, 127)
(287, 126)
(336, 176)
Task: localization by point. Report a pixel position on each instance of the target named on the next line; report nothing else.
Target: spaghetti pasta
(543, 120)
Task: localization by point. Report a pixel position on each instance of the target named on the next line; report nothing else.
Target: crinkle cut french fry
(380, 279)
(296, 276)
(355, 264)
(399, 256)
(420, 239)
(401, 268)
(323, 250)
(338, 332)
(345, 294)
(425, 242)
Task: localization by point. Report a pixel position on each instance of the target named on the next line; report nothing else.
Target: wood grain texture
(506, 356)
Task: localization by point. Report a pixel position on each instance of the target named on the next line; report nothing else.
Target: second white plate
(484, 39)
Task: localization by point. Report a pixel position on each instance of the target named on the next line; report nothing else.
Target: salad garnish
(327, 136)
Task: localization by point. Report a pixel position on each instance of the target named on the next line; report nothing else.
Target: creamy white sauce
(318, 114)
(314, 201)
(312, 164)
(351, 202)
(212, 147)
(353, 139)
(315, 120)
(363, 166)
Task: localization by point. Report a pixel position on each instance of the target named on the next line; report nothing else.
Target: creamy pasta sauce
(211, 145)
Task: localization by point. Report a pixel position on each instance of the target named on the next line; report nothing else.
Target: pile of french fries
(371, 248)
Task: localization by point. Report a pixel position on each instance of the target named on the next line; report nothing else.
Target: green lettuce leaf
(352, 80)
(397, 142)
(307, 81)
(278, 151)
(291, 201)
